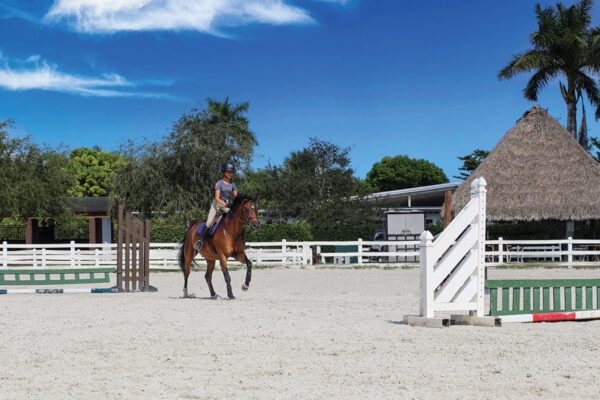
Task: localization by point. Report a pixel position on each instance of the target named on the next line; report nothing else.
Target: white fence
(567, 252)
(164, 255)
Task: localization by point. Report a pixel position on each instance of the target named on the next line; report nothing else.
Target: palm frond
(525, 62)
(537, 82)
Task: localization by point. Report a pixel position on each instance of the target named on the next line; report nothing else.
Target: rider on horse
(225, 190)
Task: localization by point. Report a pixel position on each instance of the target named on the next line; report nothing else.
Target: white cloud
(36, 73)
(107, 16)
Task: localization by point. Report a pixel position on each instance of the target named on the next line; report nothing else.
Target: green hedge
(273, 232)
(12, 233)
(77, 229)
(165, 233)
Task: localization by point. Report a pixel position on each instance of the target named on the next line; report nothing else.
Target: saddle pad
(214, 227)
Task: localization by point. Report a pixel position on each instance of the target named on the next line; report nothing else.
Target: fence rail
(567, 252)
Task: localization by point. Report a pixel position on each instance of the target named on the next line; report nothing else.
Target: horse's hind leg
(223, 263)
(244, 259)
(210, 267)
(189, 257)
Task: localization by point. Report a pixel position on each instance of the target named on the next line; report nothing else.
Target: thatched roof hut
(537, 172)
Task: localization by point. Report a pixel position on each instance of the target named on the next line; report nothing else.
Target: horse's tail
(181, 255)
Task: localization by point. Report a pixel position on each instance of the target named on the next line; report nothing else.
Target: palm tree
(564, 45)
(228, 113)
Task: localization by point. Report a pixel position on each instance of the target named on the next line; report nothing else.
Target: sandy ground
(296, 334)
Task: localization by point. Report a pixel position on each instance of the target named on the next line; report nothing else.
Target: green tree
(33, 179)
(564, 45)
(93, 169)
(311, 179)
(402, 172)
(315, 185)
(471, 162)
(262, 183)
(176, 175)
(226, 112)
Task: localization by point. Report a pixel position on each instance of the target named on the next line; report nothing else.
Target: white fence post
(295, 256)
(570, 252)
(43, 258)
(97, 255)
(426, 261)
(360, 260)
(283, 253)
(5, 254)
(318, 255)
(500, 251)
(72, 253)
(478, 190)
(307, 254)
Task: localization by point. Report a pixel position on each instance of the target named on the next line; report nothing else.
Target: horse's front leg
(210, 266)
(244, 259)
(223, 262)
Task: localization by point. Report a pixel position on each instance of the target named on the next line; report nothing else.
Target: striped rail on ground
(544, 300)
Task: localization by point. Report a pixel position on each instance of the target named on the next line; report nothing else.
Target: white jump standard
(453, 269)
(453, 279)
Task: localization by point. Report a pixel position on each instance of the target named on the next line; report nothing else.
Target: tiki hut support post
(570, 228)
(29, 231)
(447, 208)
(92, 230)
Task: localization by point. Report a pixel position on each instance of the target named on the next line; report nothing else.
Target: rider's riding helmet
(227, 166)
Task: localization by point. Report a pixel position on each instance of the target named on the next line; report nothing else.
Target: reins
(247, 222)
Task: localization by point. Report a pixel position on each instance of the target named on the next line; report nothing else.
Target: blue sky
(384, 77)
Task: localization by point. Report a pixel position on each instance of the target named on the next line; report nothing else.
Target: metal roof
(432, 196)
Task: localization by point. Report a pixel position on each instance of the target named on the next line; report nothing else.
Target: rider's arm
(234, 194)
(217, 199)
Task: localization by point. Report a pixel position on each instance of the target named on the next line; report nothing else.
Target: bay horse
(227, 241)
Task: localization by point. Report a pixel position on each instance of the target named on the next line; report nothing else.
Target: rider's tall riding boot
(203, 235)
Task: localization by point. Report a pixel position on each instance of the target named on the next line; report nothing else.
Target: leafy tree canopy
(176, 175)
(33, 179)
(314, 176)
(471, 162)
(402, 172)
(93, 169)
(315, 184)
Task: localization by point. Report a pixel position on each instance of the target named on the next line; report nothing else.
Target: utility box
(403, 226)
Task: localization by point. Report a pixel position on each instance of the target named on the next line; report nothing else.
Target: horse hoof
(244, 287)
(231, 297)
(215, 297)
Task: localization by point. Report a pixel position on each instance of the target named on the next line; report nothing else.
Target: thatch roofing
(537, 172)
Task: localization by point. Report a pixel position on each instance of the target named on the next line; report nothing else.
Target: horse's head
(250, 212)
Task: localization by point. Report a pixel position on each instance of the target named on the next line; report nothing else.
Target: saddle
(216, 223)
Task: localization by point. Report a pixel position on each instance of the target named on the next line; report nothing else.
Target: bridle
(246, 222)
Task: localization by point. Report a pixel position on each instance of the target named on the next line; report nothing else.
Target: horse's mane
(239, 200)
